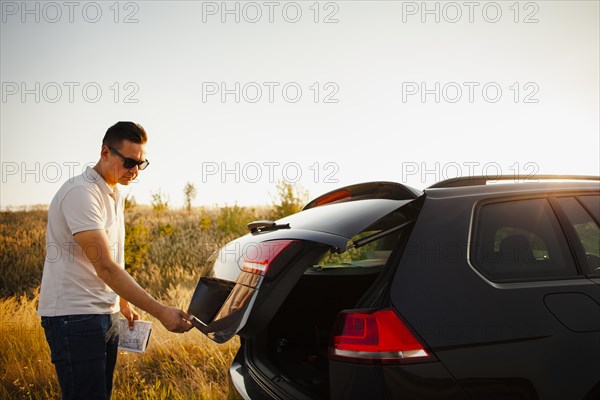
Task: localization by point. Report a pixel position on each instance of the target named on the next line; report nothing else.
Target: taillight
(258, 256)
(372, 337)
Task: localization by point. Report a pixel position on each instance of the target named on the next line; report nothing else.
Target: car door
(530, 329)
(243, 284)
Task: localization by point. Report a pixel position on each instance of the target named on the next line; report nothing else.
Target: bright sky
(238, 95)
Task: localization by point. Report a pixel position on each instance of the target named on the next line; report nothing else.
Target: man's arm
(96, 247)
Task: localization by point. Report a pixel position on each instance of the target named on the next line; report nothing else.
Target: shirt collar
(91, 174)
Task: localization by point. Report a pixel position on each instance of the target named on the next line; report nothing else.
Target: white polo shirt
(70, 284)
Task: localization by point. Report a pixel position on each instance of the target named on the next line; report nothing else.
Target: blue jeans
(83, 349)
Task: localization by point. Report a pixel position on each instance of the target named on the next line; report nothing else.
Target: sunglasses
(130, 162)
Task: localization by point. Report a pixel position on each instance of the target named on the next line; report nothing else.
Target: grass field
(165, 252)
(175, 366)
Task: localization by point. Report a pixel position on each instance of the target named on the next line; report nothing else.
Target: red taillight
(374, 337)
(258, 256)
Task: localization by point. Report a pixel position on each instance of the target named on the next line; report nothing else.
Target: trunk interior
(293, 348)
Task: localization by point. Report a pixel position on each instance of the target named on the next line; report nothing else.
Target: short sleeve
(83, 210)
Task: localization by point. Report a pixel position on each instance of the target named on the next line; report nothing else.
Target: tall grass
(165, 251)
(27, 372)
(22, 247)
(175, 366)
(179, 243)
(162, 249)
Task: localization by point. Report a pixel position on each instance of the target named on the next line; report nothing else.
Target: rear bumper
(425, 381)
(242, 386)
(252, 382)
(348, 381)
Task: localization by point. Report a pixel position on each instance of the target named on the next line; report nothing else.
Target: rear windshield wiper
(366, 240)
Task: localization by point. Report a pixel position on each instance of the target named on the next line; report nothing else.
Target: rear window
(520, 240)
(373, 255)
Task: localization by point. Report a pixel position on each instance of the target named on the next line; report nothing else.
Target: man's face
(115, 170)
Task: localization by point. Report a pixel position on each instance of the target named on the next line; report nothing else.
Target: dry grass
(165, 252)
(27, 372)
(175, 366)
(170, 248)
(22, 246)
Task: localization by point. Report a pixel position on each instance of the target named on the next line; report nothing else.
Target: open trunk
(244, 283)
(293, 350)
(290, 356)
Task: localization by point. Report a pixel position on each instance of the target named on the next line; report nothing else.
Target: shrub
(291, 199)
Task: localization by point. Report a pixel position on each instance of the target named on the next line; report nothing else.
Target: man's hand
(129, 312)
(175, 319)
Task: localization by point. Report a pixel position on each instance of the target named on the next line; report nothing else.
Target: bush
(137, 243)
(291, 199)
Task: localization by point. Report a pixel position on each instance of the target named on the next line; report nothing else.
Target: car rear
(337, 323)
(392, 307)
(282, 287)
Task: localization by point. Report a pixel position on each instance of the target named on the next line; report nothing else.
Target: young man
(84, 283)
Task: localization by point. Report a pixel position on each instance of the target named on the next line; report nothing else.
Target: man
(84, 283)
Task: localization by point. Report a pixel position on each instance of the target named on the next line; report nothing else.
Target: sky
(237, 96)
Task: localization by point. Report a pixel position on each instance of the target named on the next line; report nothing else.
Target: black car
(465, 290)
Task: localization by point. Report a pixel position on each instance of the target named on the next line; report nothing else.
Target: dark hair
(124, 130)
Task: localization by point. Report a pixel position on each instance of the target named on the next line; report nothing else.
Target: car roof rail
(368, 190)
(482, 180)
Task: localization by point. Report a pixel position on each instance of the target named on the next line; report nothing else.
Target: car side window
(520, 240)
(587, 231)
